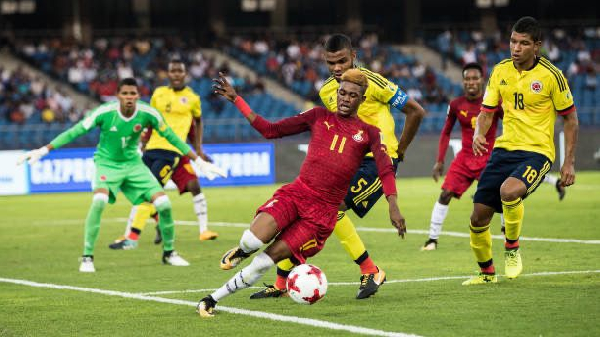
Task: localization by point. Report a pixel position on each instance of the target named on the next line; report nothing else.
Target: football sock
(249, 243)
(284, 267)
(366, 264)
(481, 244)
(513, 217)
(280, 282)
(165, 221)
(346, 233)
(134, 234)
(245, 277)
(142, 214)
(92, 222)
(200, 208)
(132, 214)
(438, 215)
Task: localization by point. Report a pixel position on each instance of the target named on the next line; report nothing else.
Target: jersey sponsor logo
(328, 125)
(503, 82)
(137, 128)
(183, 100)
(536, 86)
(463, 112)
(113, 128)
(358, 136)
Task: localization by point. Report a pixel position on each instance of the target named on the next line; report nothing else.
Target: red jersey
(336, 149)
(466, 111)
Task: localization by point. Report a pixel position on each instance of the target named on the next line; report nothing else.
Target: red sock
(368, 267)
(155, 216)
(513, 245)
(280, 282)
(489, 270)
(133, 236)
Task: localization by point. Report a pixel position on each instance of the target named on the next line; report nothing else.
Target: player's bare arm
(571, 128)
(198, 139)
(438, 171)
(396, 217)
(484, 121)
(414, 115)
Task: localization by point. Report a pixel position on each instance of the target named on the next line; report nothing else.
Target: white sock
(438, 215)
(249, 242)
(550, 179)
(130, 220)
(201, 210)
(245, 277)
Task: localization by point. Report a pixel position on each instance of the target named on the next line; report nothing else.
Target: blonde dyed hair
(357, 77)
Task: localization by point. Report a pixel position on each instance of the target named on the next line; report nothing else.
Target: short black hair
(127, 81)
(472, 65)
(337, 42)
(528, 25)
(176, 60)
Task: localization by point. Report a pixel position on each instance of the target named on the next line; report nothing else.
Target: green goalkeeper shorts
(133, 178)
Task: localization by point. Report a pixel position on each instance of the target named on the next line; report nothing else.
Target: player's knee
(510, 193)
(445, 197)
(478, 220)
(162, 204)
(99, 200)
(193, 187)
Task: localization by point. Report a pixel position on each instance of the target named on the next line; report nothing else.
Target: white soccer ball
(306, 284)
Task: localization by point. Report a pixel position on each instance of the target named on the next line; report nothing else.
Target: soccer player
(366, 187)
(532, 92)
(119, 167)
(466, 167)
(302, 215)
(180, 107)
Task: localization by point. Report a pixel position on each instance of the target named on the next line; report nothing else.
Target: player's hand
(222, 87)
(33, 156)
(204, 156)
(567, 175)
(438, 170)
(210, 170)
(398, 220)
(479, 143)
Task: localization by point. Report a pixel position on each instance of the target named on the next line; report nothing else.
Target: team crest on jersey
(536, 86)
(358, 136)
(183, 100)
(137, 127)
(103, 177)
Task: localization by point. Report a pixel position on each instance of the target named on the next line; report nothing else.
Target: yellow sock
(143, 213)
(346, 233)
(285, 265)
(513, 218)
(481, 243)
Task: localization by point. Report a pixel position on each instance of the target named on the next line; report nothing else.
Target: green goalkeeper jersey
(120, 135)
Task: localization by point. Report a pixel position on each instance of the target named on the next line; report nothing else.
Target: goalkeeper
(119, 167)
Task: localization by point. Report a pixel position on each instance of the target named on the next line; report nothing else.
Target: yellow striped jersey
(531, 99)
(178, 109)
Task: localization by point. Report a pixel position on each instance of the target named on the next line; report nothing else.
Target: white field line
(252, 313)
(360, 229)
(427, 279)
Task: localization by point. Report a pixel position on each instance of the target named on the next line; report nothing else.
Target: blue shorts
(529, 167)
(161, 163)
(366, 187)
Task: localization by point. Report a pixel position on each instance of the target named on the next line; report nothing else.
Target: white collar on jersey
(127, 119)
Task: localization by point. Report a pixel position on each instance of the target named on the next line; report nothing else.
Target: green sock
(92, 223)
(165, 224)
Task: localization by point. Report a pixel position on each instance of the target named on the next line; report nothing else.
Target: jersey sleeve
(196, 107)
(287, 126)
(81, 128)
(158, 124)
(387, 91)
(385, 167)
(491, 98)
(445, 134)
(153, 100)
(561, 95)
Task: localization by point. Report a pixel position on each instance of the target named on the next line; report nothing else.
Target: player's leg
(92, 228)
(137, 221)
(555, 181)
(438, 215)
(278, 289)
(165, 223)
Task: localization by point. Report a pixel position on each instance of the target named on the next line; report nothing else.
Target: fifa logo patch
(358, 136)
(536, 86)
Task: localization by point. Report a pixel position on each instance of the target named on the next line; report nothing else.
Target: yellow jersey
(531, 99)
(178, 109)
(375, 110)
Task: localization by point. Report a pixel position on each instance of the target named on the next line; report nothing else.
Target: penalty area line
(252, 313)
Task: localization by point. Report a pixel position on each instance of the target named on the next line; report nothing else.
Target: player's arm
(438, 167)
(489, 106)
(387, 175)
(571, 130)
(198, 129)
(284, 127)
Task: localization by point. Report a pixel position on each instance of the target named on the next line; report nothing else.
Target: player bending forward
(303, 213)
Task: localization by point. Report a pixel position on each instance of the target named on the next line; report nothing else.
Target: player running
(180, 107)
(302, 215)
(366, 187)
(119, 167)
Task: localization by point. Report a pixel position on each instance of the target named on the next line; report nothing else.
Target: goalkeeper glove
(33, 156)
(210, 170)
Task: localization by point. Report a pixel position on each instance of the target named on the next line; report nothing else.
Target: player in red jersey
(466, 167)
(301, 215)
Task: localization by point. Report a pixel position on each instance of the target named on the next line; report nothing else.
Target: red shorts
(304, 220)
(462, 172)
(184, 173)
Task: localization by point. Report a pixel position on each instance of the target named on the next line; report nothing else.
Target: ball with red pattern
(306, 284)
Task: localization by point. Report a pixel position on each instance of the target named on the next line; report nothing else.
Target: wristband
(242, 106)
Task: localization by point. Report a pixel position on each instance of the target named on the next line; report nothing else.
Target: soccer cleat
(233, 257)
(369, 284)
(174, 259)
(158, 237)
(560, 189)
(513, 265)
(481, 278)
(208, 235)
(206, 307)
(430, 244)
(269, 291)
(87, 264)
(125, 244)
